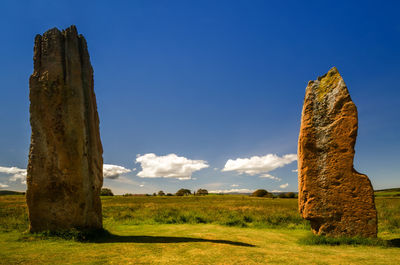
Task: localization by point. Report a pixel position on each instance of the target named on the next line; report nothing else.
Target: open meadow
(213, 229)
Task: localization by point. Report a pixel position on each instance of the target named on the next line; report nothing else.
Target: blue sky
(210, 81)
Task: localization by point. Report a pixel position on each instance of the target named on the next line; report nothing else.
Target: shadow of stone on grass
(111, 238)
(395, 243)
(104, 236)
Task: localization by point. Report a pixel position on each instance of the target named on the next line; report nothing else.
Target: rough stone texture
(336, 199)
(65, 159)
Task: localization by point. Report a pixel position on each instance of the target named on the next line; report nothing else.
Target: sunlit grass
(312, 239)
(229, 229)
(188, 244)
(227, 210)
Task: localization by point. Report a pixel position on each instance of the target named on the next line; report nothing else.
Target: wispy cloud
(3, 185)
(268, 176)
(231, 191)
(234, 185)
(258, 164)
(284, 186)
(168, 166)
(214, 185)
(295, 170)
(16, 173)
(114, 171)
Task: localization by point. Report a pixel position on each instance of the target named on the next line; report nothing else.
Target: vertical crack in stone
(65, 159)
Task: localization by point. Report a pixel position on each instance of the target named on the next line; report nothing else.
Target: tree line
(201, 192)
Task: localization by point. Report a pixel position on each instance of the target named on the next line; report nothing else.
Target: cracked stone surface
(65, 159)
(336, 199)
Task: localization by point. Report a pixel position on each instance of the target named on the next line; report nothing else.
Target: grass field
(387, 194)
(229, 229)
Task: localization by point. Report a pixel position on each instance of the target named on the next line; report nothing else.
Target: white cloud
(295, 170)
(17, 173)
(125, 180)
(114, 171)
(141, 185)
(11, 170)
(3, 185)
(231, 191)
(270, 177)
(234, 185)
(20, 176)
(109, 171)
(169, 166)
(258, 164)
(284, 186)
(276, 191)
(215, 168)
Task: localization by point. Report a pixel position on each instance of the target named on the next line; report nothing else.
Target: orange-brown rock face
(65, 159)
(336, 199)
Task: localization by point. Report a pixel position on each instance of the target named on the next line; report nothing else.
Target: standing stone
(65, 159)
(336, 199)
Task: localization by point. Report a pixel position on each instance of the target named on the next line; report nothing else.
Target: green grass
(188, 244)
(229, 229)
(312, 239)
(388, 193)
(229, 210)
(388, 214)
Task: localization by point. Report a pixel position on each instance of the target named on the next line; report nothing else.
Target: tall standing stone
(65, 159)
(336, 199)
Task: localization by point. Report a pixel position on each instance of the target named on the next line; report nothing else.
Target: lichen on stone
(333, 196)
(327, 82)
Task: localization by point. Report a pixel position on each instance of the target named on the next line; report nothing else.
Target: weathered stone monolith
(65, 159)
(336, 199)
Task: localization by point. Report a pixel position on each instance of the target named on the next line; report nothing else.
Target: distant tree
(291, 195)
(106, 192)
(170, 194)
(202, 192)
(183, 192)
(154, 194)
(282, 195)
(161, 193)
(287, 195)
(261, 193)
